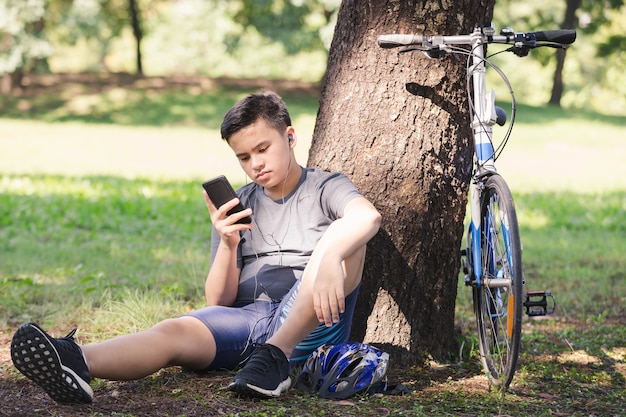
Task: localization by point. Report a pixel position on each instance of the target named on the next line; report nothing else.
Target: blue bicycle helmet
(340, 371)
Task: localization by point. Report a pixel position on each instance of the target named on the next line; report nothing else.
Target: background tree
(569, 22)
(410, 155)
(135, 23)
(295, 25)
(597, 15)
(97, 23)
(588, 17)
(21, 39)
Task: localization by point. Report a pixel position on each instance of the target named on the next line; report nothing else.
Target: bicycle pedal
(464, 266)
(468, 280)
(539, 303)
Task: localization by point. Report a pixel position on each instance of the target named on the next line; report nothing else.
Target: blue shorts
(236, 329)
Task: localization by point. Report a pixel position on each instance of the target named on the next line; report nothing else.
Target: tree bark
(569, 22)
(398, 126)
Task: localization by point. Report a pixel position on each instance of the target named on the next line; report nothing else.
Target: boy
(277, 288)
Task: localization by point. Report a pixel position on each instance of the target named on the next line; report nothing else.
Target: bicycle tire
(498, 304)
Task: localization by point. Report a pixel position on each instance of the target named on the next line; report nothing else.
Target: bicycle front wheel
(498, 294)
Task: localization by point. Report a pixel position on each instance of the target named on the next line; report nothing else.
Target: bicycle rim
(498, 303)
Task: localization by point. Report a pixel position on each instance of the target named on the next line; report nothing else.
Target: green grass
(69, 241)
(574, 245)
(554, 149)
(90, 236)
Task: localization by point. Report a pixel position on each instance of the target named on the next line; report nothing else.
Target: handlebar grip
(396, 39)
(562, 36)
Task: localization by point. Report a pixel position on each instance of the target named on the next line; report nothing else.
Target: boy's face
(263, 152)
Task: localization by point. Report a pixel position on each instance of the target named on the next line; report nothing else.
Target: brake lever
(522, 51)
(431, 52)
(412, 49)
(552, 45)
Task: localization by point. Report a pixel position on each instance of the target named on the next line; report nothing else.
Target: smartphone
(220, 192)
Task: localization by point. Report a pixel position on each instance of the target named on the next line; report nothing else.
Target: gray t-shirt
(273, 255)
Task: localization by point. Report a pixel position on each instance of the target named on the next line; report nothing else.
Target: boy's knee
(167, 326)
(175, 326)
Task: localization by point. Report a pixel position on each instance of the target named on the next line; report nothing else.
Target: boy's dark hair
(265, 105)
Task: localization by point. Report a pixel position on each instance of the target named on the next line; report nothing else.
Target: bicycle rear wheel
(498, 295)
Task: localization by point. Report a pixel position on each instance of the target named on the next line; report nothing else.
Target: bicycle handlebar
(396, 40)
(507, 36)
(562, 36)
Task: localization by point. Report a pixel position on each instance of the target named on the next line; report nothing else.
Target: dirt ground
(435, 390)
(173, 392)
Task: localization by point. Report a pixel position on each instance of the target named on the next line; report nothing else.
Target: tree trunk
(5, 84)
(398, 126)
(137, 32)
(569, 22)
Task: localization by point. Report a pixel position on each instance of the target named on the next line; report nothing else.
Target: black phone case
(220, 192)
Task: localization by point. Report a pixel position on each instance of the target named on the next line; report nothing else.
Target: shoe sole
(249, 390)
(35, 356)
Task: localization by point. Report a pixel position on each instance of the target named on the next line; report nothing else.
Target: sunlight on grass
(565, 155)
(533, 218)
(135, 311)
(578, 356)
(573, 210)
(73, 149)
(81, 104)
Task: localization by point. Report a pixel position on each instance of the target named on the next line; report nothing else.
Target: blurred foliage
(294, 24)
(22, 37)
(595, 63)
(77, 20)
(287, 39)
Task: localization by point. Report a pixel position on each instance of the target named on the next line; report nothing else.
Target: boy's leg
(266, 374)
(183, 341)
(64, 370)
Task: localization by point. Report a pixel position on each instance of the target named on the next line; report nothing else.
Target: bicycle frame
(484, 119)
(482, 124)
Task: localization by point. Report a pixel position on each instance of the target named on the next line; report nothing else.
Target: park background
(102, 224)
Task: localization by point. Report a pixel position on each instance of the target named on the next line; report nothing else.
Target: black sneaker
(265, 374)
(56, 365)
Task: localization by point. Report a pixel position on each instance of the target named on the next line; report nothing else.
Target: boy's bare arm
(343, 237)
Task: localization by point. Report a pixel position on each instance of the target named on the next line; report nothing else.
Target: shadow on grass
(548, 383)
(125, 99)
(537, 115)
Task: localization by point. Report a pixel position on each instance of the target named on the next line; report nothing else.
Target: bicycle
(492, 259)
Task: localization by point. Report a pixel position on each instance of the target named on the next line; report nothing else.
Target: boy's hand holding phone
(220, 192)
